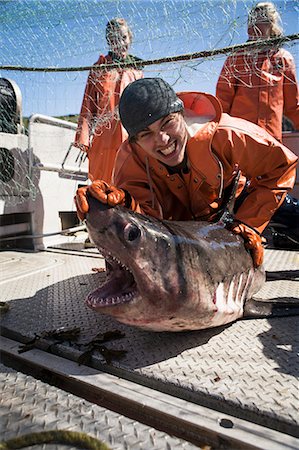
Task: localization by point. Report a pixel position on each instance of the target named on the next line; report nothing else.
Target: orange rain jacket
(99, 116)
(260, 87)
(218, 149)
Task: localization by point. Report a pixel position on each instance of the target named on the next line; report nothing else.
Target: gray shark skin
(168, 275)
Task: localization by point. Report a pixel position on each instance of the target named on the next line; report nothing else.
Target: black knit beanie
(144, 101)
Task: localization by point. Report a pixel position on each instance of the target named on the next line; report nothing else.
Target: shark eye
(131, 232)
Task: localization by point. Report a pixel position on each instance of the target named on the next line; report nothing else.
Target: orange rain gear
(260, 87)
(221, 145)
(99, 116)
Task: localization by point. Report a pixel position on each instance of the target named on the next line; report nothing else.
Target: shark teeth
(118, 288)
(113, 259)
(94, 301)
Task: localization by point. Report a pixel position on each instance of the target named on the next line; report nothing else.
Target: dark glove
(82, 147)
(102, 191)
(253, 241)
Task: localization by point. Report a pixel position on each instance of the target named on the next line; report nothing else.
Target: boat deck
(221, 384)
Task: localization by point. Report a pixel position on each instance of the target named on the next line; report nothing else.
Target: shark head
(147, 277)
(169, 275)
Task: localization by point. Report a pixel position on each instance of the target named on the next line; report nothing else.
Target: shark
(165, 275)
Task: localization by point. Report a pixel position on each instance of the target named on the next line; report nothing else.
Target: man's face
(260, 30)
(165, 139)
(119, 41)
(259, 26)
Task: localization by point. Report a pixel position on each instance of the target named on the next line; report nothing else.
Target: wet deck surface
(247, 369)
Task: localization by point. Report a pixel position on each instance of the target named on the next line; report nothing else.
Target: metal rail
(194, 423)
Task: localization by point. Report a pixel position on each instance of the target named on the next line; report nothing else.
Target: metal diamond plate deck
(28, 405)
(247, 369)
(14, 265)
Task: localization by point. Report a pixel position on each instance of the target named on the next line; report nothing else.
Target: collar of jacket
(202, 105)
(204, 163)
(207, 109)
(128, 59)
(111, 59)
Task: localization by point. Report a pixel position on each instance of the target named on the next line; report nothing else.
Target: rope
(66, 231)
(81, 440)
(275, 42)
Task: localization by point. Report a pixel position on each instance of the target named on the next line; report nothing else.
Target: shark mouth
(119, 288)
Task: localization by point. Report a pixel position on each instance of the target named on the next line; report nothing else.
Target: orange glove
(253, 241)
(102, 191)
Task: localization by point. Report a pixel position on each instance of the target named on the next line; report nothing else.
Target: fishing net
(48, 47)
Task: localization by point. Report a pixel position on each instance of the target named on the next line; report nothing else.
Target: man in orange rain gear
(183, 154)
(99, 130)
(260, 85)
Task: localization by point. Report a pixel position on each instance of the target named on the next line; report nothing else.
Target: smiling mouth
(119, 288)
(168, 151)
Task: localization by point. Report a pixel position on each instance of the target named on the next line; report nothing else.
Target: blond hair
(114, 24)
(266, 12)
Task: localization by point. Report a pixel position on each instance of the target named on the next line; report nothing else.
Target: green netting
(70, 34)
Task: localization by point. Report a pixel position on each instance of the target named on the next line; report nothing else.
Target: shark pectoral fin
(278, 307)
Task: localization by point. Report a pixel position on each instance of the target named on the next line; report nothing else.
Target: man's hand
(102, 191)
(253, 241)
(84, 148)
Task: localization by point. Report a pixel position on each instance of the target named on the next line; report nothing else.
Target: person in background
(260, 85)
(182, 156)
(99, 131)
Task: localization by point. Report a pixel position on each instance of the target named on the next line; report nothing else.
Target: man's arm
(291, 92)
(90, 106)
(269, 165)
(86, 114)
(226, 85)
(130, 181)
(133, 175)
